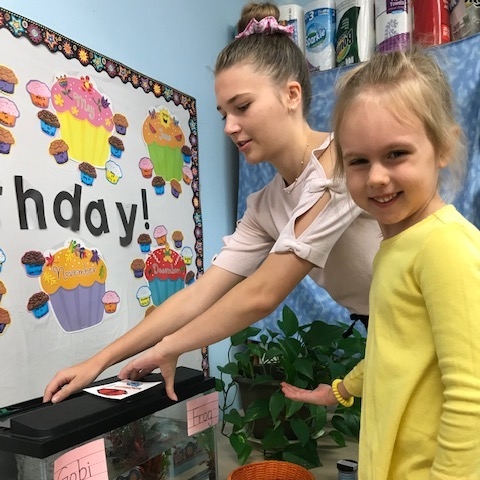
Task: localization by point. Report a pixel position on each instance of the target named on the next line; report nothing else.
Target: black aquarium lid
(39, 429)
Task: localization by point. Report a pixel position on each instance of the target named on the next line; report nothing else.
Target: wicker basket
(271, 470)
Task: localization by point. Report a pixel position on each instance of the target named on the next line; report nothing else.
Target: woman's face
(255, 112)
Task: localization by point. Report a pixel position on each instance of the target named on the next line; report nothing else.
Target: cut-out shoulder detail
(339, 241)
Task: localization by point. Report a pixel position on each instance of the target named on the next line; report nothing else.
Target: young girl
(420, 382)
(302, 223)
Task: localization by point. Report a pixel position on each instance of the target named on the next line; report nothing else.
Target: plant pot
(250, 392)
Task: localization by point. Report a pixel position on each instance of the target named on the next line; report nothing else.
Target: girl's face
(254, 110)
(390, 165)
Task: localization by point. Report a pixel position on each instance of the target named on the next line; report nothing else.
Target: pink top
(83, 101)
(340, 243)
(40, 89)
(8, 107)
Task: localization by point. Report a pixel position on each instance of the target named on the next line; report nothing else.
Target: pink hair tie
(267, 26)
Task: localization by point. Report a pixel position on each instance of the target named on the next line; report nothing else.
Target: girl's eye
(243, 107)
(397, 154)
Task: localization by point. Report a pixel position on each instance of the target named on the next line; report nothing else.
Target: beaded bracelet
(338, 396)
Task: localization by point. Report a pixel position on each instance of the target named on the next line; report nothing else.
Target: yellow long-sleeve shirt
(420, 380)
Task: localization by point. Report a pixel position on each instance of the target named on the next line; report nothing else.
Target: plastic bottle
(347, 469)
(355, 36)
(320, 34)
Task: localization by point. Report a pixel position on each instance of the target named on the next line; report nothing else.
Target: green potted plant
(303, 355)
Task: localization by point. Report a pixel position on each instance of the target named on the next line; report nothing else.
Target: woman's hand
(158, 356)
(322, 395)
(71, 380)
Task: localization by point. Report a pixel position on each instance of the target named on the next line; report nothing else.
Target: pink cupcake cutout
(146, 167)
(110, 301)
(39, 93)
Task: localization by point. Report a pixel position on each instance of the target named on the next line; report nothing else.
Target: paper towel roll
(320, 34)
(393, 24)
(293, 15)
(355, 37)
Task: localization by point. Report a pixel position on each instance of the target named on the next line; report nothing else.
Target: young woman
(396, 134)
(302, 223)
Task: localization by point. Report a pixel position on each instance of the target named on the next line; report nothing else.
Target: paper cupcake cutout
(39, 93)
(75, 281)
(121, 123)
(5, 320)
(48, 122)
(144, 241)
(8, 79)
(3, 258)
(187, 255)
(38, 304)
(143, 296)
(110, 301)
(87, 173)
(6, 141)
(165, 139)
(8, 112)
(177, 237)
(165, 271)
(3, 290)
(158, 184)
(146, 167)
(137, 266)
(113, 172)
(85, 117)
(33, 262)
(160, 235)
(59, 151)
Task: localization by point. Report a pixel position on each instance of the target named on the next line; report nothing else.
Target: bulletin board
(100, 217)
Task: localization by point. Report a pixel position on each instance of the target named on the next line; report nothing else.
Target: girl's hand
(322, 395)
(156, 357)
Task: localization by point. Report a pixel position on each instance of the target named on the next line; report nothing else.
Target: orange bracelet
(338, 396)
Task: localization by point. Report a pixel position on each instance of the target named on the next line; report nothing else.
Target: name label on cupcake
(82, 104)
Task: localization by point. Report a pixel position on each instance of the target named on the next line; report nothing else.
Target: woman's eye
(357, 161)
(243, 107)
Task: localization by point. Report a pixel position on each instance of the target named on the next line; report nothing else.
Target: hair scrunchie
(267, 26)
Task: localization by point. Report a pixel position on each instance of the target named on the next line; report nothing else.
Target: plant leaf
(277, 404)
(337, 437)
(292, 407)
(301, 430)
(306, 455)
(230, 368)
(289, 322)
(241, 337)
(274, 439)
(257, 409)
(240, 444)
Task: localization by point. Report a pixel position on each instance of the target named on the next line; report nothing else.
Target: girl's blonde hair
(411, 83)
(275, 54)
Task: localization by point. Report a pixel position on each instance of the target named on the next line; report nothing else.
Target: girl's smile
(390, 164)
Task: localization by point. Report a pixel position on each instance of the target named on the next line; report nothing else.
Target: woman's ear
(294, 95)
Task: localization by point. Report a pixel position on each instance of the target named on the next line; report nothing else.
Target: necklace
(292, 186)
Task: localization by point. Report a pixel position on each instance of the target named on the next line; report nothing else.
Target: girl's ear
(445, 157)
(294, 95)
